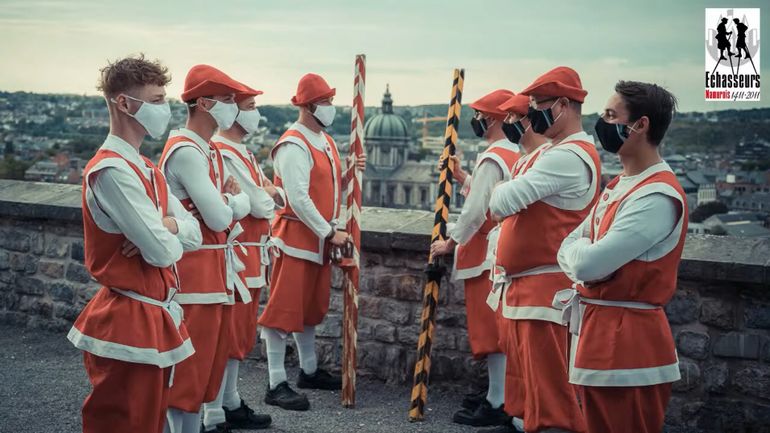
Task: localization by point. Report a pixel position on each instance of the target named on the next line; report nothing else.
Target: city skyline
(58, 47)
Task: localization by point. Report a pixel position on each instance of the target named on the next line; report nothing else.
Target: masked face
(224, 113)
(324, 114)
(249, 120)
(542, 120)
(513, 129)
(154, 118)
(612, 135)
(480, 125)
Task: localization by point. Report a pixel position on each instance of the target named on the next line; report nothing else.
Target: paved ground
(42, 385)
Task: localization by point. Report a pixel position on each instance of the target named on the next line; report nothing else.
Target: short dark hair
(130, 72)
(651, 100)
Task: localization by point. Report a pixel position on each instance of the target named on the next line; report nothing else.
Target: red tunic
(134, 292)
(620, 346)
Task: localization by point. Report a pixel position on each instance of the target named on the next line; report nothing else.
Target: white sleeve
(191, 169)
(123, 198)
(474, 211)
(581, 232)
(637, 227)
(239, 203)
(293, 165)
(556, 172)
(188, 228)
(261, 205)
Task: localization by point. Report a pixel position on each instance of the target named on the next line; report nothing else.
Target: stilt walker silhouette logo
(732, 54)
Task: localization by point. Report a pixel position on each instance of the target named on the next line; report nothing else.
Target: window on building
(407, 195)
(423, 195)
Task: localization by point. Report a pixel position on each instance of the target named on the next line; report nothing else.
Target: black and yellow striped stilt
(436, 268)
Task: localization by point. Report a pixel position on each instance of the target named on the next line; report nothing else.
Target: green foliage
(702, 212)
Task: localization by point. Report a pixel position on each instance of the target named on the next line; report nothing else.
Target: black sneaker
(220, 428)
(473, 400)
(245, 418)
(484, 415)
(286, 398)
(321, 379)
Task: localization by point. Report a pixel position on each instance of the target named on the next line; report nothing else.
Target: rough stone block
(718, 313)
(693, 344)
(683, 308)
(737, 345)
(753, 380)
(716, 377)
(30, 286)
(757, 315)
(61, 291)
(330, 327)
(691, 376)
(5, 260)
(51, 269)
(76, 252)
(56, 246)
(78, 273)
(15, 240)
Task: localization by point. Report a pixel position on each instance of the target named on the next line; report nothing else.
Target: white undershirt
(123, 198)
(639, 225)
(559, 178)
(261, 203)
(293, 164)
(474, 211)
(187, 172)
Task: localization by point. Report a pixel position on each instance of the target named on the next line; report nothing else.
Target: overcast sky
(58, 46)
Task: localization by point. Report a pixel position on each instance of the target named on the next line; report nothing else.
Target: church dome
(387, 126)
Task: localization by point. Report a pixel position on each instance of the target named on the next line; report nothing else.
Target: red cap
(516, 104)
(312, 88)
(489, 104)
(558, 82)
(246, 93)
(205, 80)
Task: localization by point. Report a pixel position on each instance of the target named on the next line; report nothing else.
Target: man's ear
(121, 103)
(643, 125)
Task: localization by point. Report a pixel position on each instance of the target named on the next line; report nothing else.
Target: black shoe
(507, 428)
(321, 379)
(220, 428)
(483, 416)
(738, 55)
(722, 58)
(286, 398)
(245, 418)
(473, 400)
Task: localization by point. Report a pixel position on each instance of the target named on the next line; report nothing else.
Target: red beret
(246, 93)
(489, 104)
(312, 88)
(558, 82)
(516, 104)
(205, 80)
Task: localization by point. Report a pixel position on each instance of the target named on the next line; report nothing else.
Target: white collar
(193, 136)
(317, 139)
(578, 136)
(240, 147)
(505, 144)
(123, 148)
(649, 171)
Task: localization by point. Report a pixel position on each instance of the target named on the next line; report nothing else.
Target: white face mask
(223, 113)
(154, 118)
(249, 120)
(325, 114)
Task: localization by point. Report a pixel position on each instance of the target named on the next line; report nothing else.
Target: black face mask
(479, 127)
(513, 131)
(541, 120)
(611, 135)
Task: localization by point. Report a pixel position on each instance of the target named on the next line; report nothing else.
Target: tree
(706, 210)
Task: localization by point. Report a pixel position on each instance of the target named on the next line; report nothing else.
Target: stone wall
(720, 315)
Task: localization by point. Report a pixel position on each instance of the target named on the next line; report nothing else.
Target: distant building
(391, 179)
(754, 202)
(736, 224)
(44, 171)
